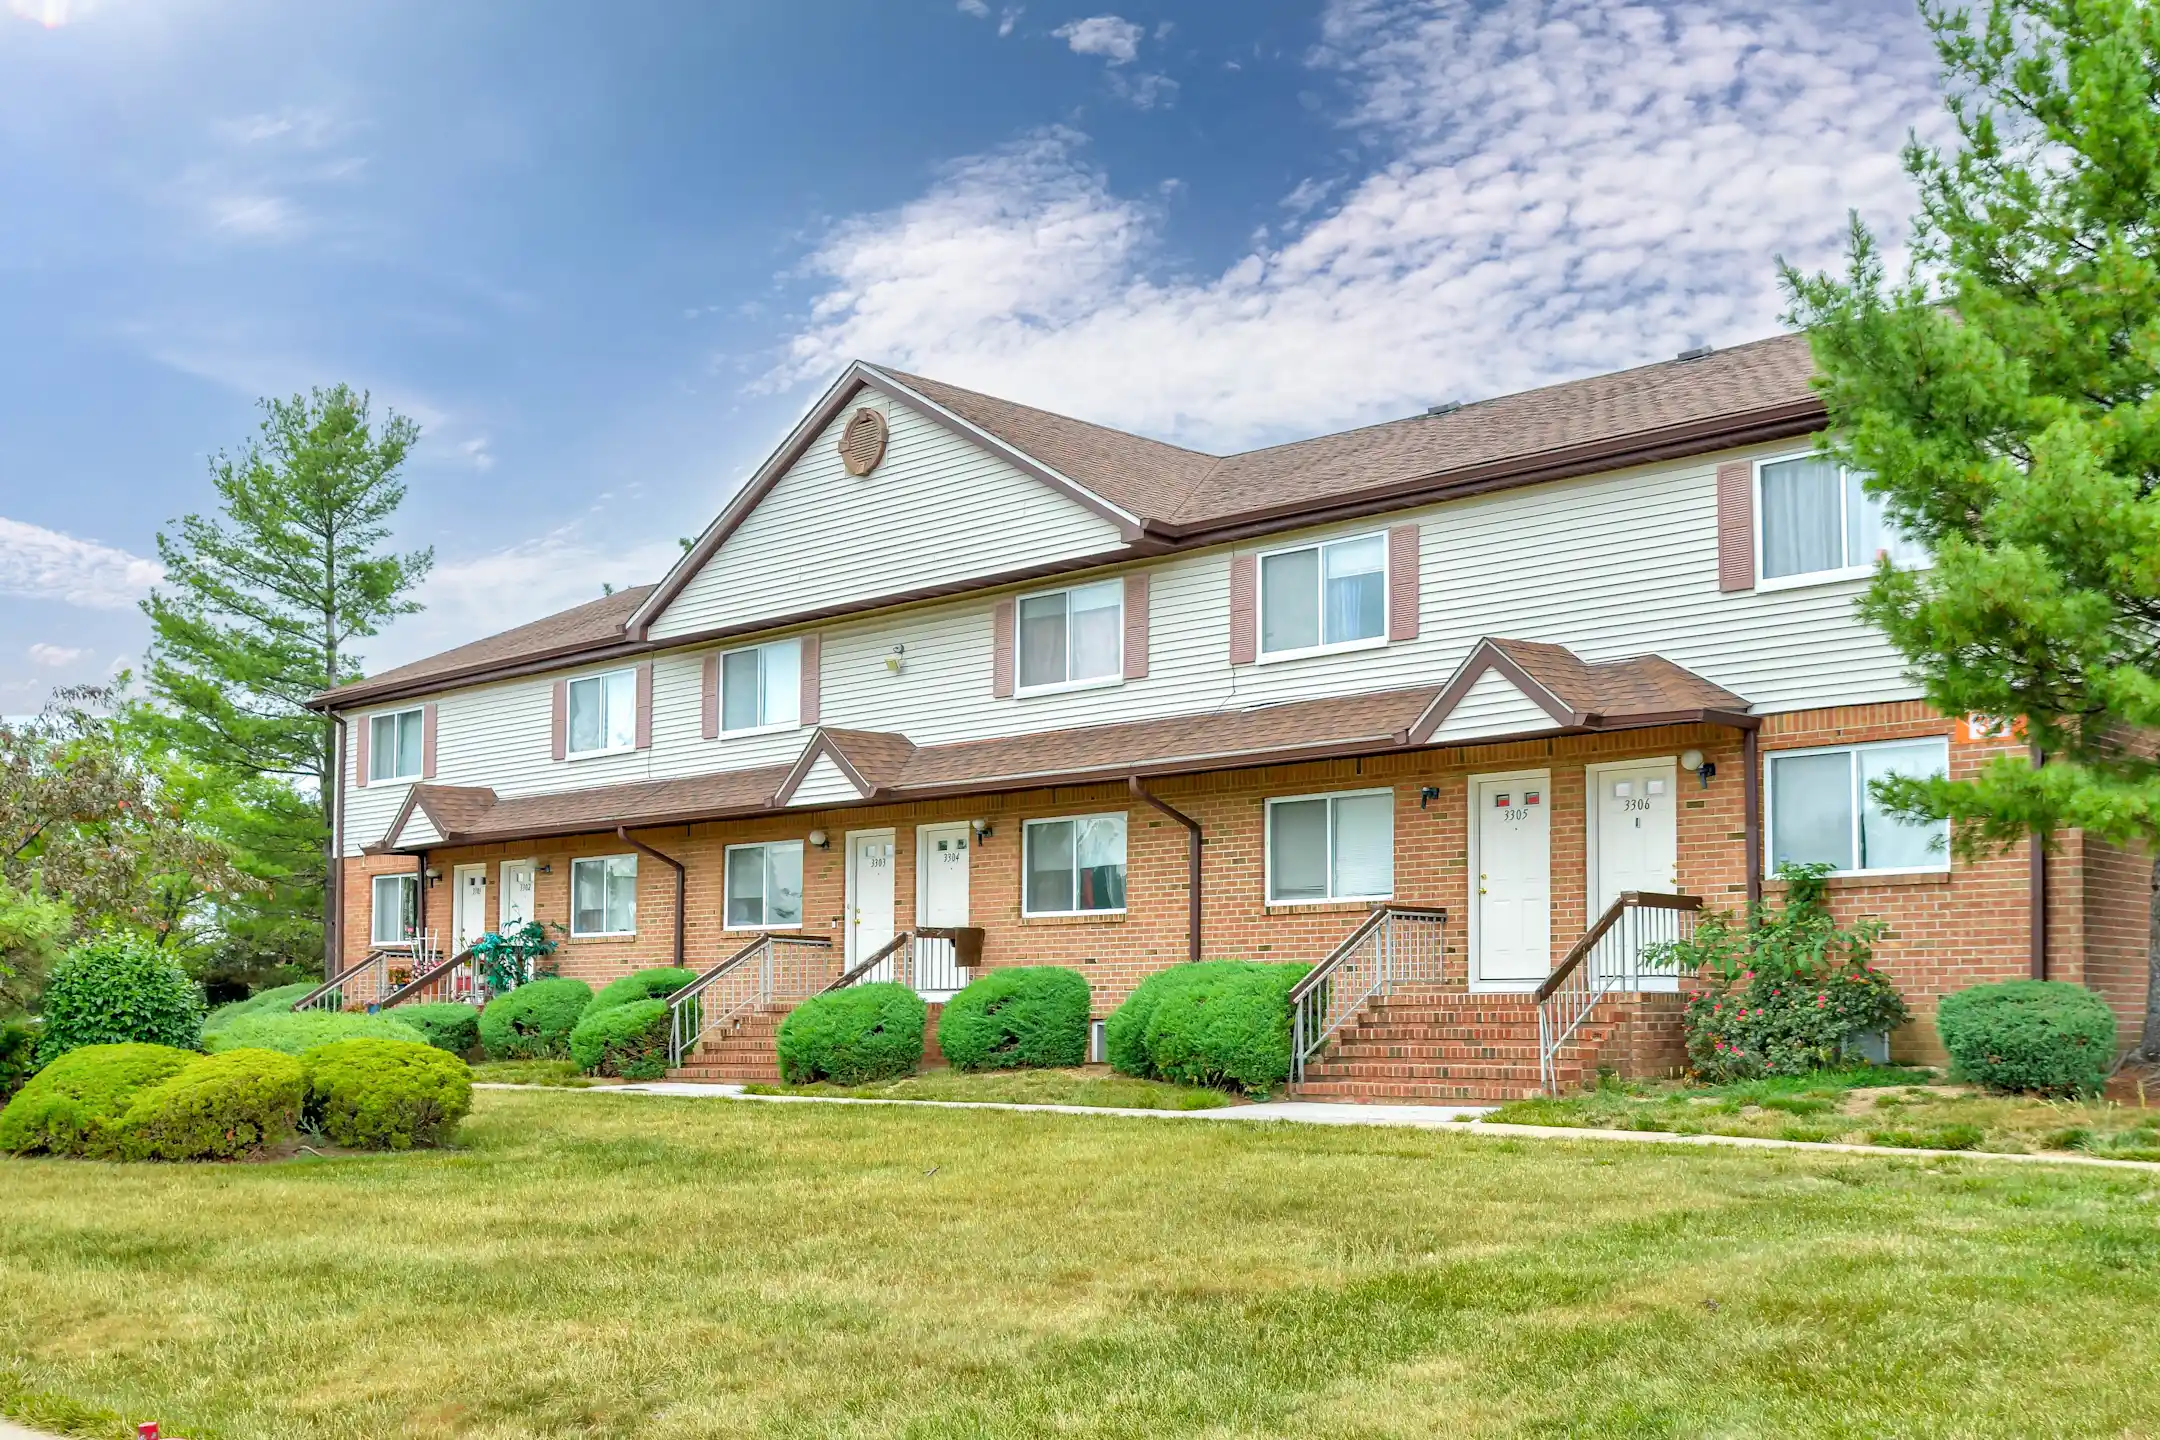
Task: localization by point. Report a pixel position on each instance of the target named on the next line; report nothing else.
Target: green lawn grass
(564, 1073)
(1904, 1108)
(594, 1265)
(1090, 1085)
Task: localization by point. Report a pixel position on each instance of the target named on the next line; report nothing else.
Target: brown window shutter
(359, 750)
(562, 719)
(1736, 526)
(1001, 649)
(1244, 609)
(1136, 626)
(1402, 582)
(427, 742)
(644, 706)
(709, 699)
(807, 712)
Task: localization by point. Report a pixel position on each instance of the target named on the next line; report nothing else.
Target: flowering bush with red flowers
(1780, 992)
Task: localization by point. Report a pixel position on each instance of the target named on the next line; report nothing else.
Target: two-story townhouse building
(973, 676)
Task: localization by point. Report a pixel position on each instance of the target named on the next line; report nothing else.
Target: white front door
(869, 894)
(1511, 817)
(1634, 838)
(514, 900)
(941, 899)
(470, 916)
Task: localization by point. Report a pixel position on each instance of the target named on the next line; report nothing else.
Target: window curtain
(1801, 521)
(1356, 589)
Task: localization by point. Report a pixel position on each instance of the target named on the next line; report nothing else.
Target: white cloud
(46, 565)
(55, 657)
(980, 9)
(1143, 89)
(1560, 187)
(477, 454)
(52, 14)
(1009, 17)
(1114, 38)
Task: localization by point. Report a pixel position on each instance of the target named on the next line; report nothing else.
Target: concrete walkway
(1462, 1119)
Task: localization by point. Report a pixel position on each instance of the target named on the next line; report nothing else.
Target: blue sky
(605, 254)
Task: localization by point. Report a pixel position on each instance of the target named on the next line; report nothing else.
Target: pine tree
(259, 610)
(2004, 395)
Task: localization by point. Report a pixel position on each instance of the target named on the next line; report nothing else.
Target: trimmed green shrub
(18, 1055)
(1125, 1032)
(118, 991)
(450, 1026)
(283, 997)
(533, 1022)
(74, 1105)
(1229, 1027)
(219, 1108)
(2046, 1036)
(644, 985)
(1009, 1019)
(386, 1094)
(297, 1033)
(853, 1036)
(629, 1040)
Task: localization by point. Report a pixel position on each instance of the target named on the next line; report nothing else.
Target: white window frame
(765, 872)
(1859, 800)
(1027, 830)
(1264, 656)
(419, 762)
(720, 681)
(1059, 687)
(1807, 577)
(404, 881)
(1267, 840)
(628, 676)
(577, 934)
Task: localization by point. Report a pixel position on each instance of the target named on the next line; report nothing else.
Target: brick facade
(1946, 930)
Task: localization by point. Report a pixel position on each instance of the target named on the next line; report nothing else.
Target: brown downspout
(1751, 809)
(420, 905)
(2039, 905)
(622, 833)
(1192, 864)
(334, 870)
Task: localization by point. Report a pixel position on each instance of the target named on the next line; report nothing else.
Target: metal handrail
(695, 1010)
(1609, 956)
(904, 942)
(374, 959)
(431, 975)
(1394, 945)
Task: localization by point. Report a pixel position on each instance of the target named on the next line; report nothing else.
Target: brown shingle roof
(585, 627)
(1616, 689)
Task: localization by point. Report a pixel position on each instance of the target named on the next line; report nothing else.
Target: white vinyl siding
(1331, 847)
(603, 713)
(761, 687)
(1072, 637)
(1815, 521)
(603, 896)
(1822, 811)
(396, 745)
(1323, 597)
(765, 886)
(1073, 866)
(396, 902)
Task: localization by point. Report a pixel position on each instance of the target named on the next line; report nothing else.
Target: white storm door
(870, 897)
(1636, 846)
(471, 912)
(941, 863)
(1513, 945)
(514, 900)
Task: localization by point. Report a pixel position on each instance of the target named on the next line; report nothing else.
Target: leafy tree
(259, 610)
(2002, 395)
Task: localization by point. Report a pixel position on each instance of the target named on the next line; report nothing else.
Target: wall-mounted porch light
(982, 829)
(1704, 769)
(819, 840)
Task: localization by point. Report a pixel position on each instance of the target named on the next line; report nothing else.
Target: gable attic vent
(862, 441)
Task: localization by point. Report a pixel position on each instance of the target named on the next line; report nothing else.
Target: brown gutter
(1751, 806)
(1194, 840)
(2039, 905)
(622, 833)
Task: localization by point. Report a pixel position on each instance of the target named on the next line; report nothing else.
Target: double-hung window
(1074, 866)
(603, 713)
(1070, 637)
(1823, 809)
(395, 742)
(603, 895)
(764, 886)
(1321, 596)
(761, 686)
(1331, 847)
(397, 910)
(1818, 522)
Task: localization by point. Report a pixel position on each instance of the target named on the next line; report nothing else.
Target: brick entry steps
(1444, 1047)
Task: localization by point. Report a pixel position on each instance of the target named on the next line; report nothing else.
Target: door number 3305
(1518, 812)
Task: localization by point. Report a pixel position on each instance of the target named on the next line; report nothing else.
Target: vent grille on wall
(862, 442)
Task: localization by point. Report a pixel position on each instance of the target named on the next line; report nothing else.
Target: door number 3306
(1636, 804)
